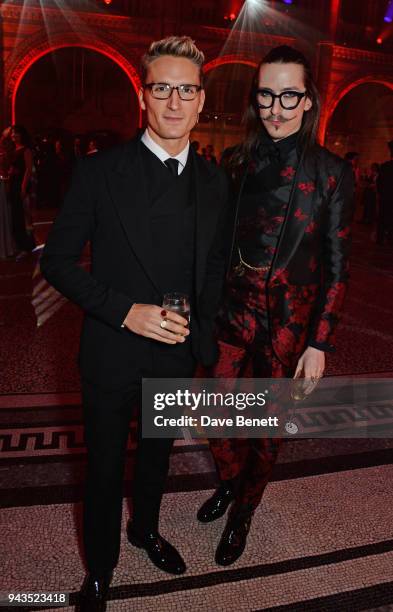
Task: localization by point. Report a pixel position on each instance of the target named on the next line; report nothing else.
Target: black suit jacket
(107, 205)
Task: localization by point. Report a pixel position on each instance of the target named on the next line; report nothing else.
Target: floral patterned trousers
(246, 351)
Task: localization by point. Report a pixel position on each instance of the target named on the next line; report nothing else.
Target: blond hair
(177, 46)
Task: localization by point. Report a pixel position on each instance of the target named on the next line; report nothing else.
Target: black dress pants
(107, 417)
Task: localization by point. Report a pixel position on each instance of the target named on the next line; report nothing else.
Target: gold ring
(163, 324)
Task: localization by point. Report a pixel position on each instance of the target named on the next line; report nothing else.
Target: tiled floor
(348, 548)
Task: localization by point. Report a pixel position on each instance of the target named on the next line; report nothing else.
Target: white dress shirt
(164, 155)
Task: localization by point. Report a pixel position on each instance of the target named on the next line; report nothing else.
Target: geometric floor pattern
(322, 538)
(344, 562)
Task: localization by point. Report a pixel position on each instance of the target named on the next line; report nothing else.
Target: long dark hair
(254, 128)
(23, 133)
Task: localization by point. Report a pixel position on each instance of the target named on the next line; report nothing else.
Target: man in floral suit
(288, 272)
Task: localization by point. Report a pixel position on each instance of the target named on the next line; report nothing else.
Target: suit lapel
(128, 190)
(127, 187)
(238, 191)
(297, 219)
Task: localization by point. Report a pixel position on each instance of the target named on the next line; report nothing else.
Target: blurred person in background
(385, 200)
(209, 154)
(63, 170)
(78, 148)
(20, 189)
(369, 197)
(92, 146)
(7, 244)
(47, 180)
(353, 158)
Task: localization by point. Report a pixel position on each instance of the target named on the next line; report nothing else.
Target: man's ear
(142, 99)
(202, 97)
(307, 104)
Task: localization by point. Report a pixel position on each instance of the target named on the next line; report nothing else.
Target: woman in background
(21, 173)
(7, 245)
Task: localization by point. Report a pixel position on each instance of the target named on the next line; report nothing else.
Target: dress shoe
(94, 592)
(216, 506)
(233, 539)
(162, 554)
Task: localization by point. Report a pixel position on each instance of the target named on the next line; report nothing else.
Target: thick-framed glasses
(288, 99)
(163, 91)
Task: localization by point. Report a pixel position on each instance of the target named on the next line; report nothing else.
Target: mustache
(277, 118)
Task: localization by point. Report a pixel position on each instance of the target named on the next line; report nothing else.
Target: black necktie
(173, 165)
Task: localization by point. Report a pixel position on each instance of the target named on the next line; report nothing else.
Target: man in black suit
(385, 200)
(153, 211)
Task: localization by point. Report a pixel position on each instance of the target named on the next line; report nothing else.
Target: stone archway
(227, 83)
(222, 60)
(361, 119)
(29, 55)
(340, 92)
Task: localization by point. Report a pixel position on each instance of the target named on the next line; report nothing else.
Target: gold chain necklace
(239, 269)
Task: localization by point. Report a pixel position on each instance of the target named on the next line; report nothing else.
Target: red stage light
(379, 40)
(232, 16)
(108, 2)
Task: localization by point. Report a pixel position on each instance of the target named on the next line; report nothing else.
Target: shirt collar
(161, 153)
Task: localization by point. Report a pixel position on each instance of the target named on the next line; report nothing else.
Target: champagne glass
(179, 303)
(301, 388)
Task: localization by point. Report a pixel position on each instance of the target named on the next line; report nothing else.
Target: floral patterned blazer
(309, 273)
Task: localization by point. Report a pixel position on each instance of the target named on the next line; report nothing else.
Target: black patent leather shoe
(162, 554)
(233, 540)
(216, 506)
(94, 593)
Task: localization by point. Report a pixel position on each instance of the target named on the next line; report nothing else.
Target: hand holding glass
(179, 303)
(301, 388)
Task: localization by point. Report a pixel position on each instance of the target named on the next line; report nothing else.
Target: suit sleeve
(335, 265)
(73, 228)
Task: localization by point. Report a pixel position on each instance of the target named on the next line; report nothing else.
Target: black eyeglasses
(288, 99)
(163, 91)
